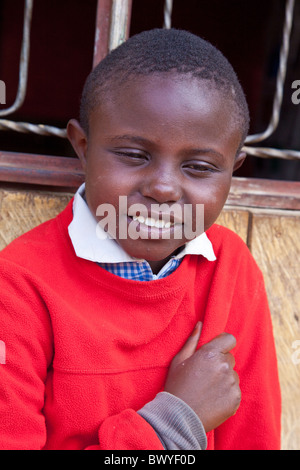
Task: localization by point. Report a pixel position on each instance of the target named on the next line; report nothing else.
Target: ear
(239, 160)
(78, 139)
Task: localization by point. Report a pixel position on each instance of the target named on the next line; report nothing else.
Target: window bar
(120, 22)
(112, 28)
(117, 11)
(24, 61)
(283, 60)
(168, 7)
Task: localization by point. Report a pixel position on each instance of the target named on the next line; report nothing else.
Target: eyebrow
(132, 138)
(143, 141)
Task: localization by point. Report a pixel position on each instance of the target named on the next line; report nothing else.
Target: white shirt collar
(84, 233)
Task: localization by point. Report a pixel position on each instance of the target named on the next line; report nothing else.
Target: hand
(205, 379)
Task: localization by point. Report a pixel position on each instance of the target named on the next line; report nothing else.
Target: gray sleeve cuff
(176, 424)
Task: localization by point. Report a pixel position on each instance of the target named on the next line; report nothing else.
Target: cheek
(99, 184)
(96, 194)
(212, 201)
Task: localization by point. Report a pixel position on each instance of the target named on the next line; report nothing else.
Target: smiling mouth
(157, 228)
(151, 222)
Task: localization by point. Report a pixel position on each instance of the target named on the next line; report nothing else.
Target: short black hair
(161, 51)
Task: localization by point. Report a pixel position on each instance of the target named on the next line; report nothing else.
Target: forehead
(177, 104)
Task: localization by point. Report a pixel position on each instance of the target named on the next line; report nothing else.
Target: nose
(162, 184)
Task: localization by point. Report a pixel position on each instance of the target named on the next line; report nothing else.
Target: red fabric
(85, 349)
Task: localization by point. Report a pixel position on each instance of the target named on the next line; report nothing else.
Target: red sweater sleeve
(127, 431)
(26, 333)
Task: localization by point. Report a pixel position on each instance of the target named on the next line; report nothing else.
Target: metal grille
(119, 27)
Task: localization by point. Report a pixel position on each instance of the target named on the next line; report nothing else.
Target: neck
(157, 265)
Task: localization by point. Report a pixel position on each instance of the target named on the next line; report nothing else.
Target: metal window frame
(111, 28)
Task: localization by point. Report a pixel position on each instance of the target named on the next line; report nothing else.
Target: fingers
(224, 343)
(190, 346)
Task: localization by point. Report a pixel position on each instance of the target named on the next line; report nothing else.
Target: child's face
(159, 141)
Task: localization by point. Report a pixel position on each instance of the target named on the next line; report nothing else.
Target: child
(127, 324)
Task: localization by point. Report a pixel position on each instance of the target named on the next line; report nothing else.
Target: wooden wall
(273, 238)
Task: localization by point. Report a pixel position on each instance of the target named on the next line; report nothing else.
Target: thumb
(190, 346)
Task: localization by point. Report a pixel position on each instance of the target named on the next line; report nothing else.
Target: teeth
(150, 222)
(159, 224)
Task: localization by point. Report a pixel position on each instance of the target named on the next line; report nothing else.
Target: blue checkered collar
(84, 234)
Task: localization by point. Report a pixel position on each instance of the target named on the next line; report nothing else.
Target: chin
(152, 252)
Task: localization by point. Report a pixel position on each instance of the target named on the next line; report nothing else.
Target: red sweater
(85, 349)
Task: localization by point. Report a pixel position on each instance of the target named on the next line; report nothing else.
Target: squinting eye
(133, 155)
(199, 168)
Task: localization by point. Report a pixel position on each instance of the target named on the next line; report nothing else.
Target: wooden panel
(275, 245)
(22, 210)
(236, 220)
(40, 169)
(272, 194)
